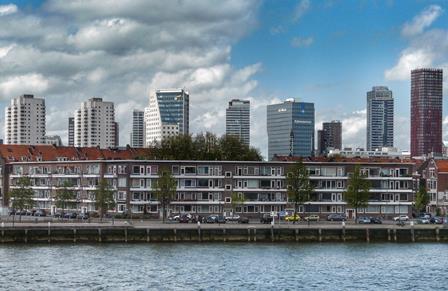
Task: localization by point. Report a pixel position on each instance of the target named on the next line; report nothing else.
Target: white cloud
(302, 41)
(421, 21)
(70, 51)
(8, 9)
(302, 7)
(426, 48)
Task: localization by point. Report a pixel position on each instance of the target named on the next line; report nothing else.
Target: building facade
(95, 124)
(204, 187)
(53, 139)
(168, 115)
(290, 128)
(426, 111)
(238, 120)
(330, 137)
(71, 132)
(138, 129)
(380, 118)
(434, 176)
(25, 120)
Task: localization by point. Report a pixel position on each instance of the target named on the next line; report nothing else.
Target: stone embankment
(218, 233)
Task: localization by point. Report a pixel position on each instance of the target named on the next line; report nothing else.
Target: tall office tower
(167, 115)
(290, 129)
(138, 129)
(25, 120)
(380, 118)
(117, 134)
(426, 111)
(71, 131)
(329, 137)
(238, 120)
(95, 124)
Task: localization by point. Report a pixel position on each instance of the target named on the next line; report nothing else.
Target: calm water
(225, 267)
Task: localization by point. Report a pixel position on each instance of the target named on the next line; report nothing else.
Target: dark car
(70, 215)
(243, 219)
(375, 220)
(83, 216)
(215, 219)
(184, 219)
(336, 217)
(436, 220)
(12, 212)
(40, 213)
(266, 218)
(57, 215)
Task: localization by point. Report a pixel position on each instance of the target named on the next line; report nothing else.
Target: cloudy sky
(326, 52)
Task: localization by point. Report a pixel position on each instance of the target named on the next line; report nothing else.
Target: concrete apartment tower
(138, 129)
(95, 124)
(25, 120)
(168, 114)
(290, 129)
(380, 118)
(330, 136)
(238, 120)
(426, 111)
(71, 131)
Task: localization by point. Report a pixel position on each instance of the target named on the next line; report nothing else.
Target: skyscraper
(138, 127)
(380, 118)
(426, 111)
(95, 124)
(329, 137)
(290, 129)
(168, 115)
(238, 120)
(25, 120)
(71, 131)
(117, 134)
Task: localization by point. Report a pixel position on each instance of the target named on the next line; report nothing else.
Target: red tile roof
(442, 165)
(18, 153)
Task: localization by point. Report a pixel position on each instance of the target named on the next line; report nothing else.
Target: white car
(235, 217)
(401, 218)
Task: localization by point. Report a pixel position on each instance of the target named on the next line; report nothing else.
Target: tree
(421, 199)
(165, 189)
(237, 200)
(357, 194)
(104, 197)
(22, 197)
(299, 187)
(64, 195)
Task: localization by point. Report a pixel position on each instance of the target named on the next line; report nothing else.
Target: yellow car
(292, 218)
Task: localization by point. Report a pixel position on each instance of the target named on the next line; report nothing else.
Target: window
(228, 187)
(228, 174)
(122, 182)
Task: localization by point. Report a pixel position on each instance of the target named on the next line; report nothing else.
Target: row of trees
(204, 147)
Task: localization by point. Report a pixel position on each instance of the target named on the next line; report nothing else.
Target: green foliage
(299, 187)
(204, 147)
(165, 189)
(421, 199)
(104, 197)
(22, 197)
(64, 195)
(357, 194)
(237, 200)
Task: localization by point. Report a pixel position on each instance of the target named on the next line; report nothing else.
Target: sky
(328, 52)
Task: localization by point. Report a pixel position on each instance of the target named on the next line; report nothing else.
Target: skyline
(68, 53)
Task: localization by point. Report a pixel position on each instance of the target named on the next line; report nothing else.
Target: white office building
(25, 121)
(95, 124)
(167, 115)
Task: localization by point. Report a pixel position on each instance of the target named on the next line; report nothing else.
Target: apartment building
(205, 187)
(434, 175)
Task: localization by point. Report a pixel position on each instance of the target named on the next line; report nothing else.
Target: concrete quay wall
(111, 234)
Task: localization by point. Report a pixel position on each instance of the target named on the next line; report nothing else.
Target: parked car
(215, 219)
(184, 219)
(29, 212)
(266, 218)
(312, 217)
(57, 214)
(174, 217)
(12, 212)
(233, 218)
(422, 220)
(292, 217)
(336, 217)
(243, 219)
(375, 220)
(83, 216)
(40, 213)
(364, 220)
(401, 218)
(70, 215)
(425, 215)
(436, 220)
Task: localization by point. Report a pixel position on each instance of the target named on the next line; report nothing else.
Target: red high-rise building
(426, 111)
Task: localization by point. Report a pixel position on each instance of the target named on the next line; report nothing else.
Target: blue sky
(327, 52)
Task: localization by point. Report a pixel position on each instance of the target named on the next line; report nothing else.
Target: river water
(230, 266)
